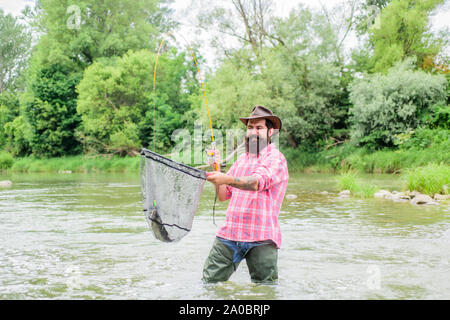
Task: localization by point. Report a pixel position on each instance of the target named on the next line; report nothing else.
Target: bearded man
(255, 185)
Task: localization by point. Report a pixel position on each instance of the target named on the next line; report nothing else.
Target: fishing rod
(211, 154)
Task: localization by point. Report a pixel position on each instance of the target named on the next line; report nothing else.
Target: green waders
(261, 263)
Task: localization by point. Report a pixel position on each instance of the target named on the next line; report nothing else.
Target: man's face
(256, 127)
(257, 135)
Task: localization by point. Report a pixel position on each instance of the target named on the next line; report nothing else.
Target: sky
(186, 11)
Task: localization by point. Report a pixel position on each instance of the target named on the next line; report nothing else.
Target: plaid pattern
(253, 215)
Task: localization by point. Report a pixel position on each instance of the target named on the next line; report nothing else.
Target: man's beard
(254, 144)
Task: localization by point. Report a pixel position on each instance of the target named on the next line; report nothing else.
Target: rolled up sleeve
(271, 172)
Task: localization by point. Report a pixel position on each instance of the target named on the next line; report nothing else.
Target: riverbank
(347, 157)
(431, 180)
(334, 160)
(72, 164)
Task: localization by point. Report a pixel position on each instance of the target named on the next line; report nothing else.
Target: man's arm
(244, 183)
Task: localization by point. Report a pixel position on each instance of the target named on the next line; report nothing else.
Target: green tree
(51, 111)
(310, 97)
(15, 41)
(385, 106)
(404, 31)
(84, 30)
(116, 101)
(232, 92)
(9, 109)
(247, 22)
(74, 34)
(367, 16)
(303, 80)
(18, 136)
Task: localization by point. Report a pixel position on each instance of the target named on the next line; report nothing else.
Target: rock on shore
(413, 197)
(344, 194)
(438, 196)
(5, 184)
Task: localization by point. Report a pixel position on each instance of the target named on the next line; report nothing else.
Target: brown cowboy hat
(260, 112)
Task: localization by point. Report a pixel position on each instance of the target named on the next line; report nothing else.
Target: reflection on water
(82, 236)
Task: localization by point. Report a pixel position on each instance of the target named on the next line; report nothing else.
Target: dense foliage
(387, 105)
(15, 43)
(86, 86)
(117, 102)
(404, 31)
(51, 111)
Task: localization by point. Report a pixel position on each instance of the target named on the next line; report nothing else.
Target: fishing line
(216, 165)
(214, 209)
(154, 93)
(200, 78)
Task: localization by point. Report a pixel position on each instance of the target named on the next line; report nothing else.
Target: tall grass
(349, 181)
(298, 160)
(75, 164)
(348, 157)
(6, 160)
(397, 161)
(430, 179)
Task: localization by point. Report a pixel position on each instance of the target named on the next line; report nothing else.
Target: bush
(348, 181)
(396, 161)
(336, 157)
(50, 110)
(422, 138)
(299, 159)
(6, 160)
(387, 105)
(430, 179)
(18, 135)
(9, 109)
(439, 117)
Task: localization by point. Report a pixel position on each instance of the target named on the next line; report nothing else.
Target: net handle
(196, 173)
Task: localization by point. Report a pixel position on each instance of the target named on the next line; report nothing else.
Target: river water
(84, 236)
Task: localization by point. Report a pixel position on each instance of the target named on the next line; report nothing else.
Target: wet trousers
(261, 262)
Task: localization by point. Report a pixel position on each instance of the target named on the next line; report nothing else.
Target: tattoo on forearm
(245, 183)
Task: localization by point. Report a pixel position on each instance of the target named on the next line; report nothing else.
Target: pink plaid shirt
(253, 215)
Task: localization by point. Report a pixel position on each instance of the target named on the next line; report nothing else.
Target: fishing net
(171, 193)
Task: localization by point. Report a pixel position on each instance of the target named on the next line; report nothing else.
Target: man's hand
(213, 157)
(218, 178)
(221, 189)
(244, 183)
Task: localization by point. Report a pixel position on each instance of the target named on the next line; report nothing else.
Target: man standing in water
(255, 185)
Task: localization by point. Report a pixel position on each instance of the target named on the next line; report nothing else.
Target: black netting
(171, 193)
